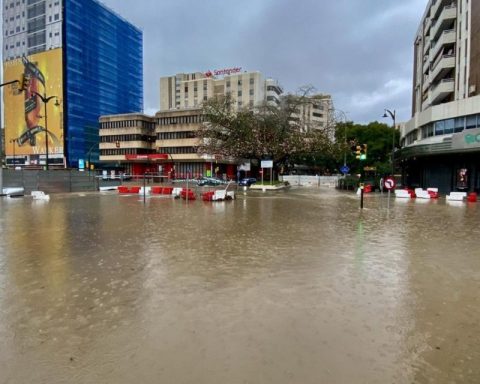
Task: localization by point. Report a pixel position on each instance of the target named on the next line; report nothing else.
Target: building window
(439, 128)
(472, 122)
(459, 124)
(449, 126)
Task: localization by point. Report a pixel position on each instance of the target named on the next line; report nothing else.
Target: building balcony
(436, 7)
(126, 144)
(426, 84)
(444, 65)
(447, 37)
(193, 142)
(427, 43)
(426, 25)
(449, 13)
(426, 65)
(112, 158)
(425, 104)
(442, 90)
(126, 131)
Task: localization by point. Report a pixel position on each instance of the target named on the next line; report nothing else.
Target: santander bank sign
(226, 71)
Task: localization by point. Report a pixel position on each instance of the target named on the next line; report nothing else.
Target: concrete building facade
(439, 144)
(248, 89)
(171, 146)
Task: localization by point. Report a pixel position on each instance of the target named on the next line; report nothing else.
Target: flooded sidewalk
(297, 286)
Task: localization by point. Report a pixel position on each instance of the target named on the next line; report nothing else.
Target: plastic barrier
(188, 194)
(472, 197)
(208, 196)
(156, 190)
(124, 189)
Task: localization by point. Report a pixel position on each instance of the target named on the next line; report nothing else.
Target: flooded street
(289, 287)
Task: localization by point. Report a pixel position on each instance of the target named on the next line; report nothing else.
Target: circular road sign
(389, 183)
(345, 169)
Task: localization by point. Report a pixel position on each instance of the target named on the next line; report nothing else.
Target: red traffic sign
(389, 183)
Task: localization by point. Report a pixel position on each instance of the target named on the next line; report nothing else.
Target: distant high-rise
(248, 89)
(84, 56)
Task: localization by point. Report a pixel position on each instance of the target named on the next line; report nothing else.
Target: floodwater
(289, 287)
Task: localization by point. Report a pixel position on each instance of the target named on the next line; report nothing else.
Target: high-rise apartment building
(315, 112)
(439, 144)
(248, 89)
(80, 56)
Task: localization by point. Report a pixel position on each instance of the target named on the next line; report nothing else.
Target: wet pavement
(288, 287)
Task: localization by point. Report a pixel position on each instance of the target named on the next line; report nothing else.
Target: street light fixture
(45, 101)
(393, 116)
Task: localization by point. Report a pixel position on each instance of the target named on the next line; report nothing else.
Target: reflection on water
(294, 287)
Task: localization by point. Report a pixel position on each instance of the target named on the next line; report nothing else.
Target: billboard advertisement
(27, 123)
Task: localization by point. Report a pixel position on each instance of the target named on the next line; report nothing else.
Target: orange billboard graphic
(34, 114)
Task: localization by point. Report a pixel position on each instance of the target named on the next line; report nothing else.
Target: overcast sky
(359, 51)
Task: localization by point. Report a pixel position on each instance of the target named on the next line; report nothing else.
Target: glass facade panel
(449, 126)
(439, 127)
(459, 124)
(103, 73)
(472, 122)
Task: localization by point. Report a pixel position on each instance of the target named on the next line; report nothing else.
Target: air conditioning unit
(472, 89)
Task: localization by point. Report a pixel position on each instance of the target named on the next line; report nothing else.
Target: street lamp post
(1, 152)
(45, 101)
(393, 116)
(13, 141)
(343, 116)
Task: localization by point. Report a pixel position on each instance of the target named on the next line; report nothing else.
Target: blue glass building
(103, 73)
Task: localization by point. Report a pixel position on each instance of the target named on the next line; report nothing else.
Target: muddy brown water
(289, 287)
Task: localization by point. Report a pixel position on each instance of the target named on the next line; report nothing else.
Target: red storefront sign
(155, 156)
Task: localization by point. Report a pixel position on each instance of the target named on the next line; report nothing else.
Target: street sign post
(344, 169)
(389, 184)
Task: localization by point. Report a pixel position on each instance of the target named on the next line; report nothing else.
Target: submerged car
(247, 182)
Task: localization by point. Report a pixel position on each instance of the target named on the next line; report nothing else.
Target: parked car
(247, 182)
(210, 181)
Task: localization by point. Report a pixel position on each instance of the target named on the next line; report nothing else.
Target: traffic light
(24, 82)
(358, 151)
(363, 152)
(117, 144)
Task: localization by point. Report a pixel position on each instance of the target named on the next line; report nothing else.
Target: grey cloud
(360, 51)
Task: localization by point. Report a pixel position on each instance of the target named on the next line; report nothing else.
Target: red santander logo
(226, 71)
